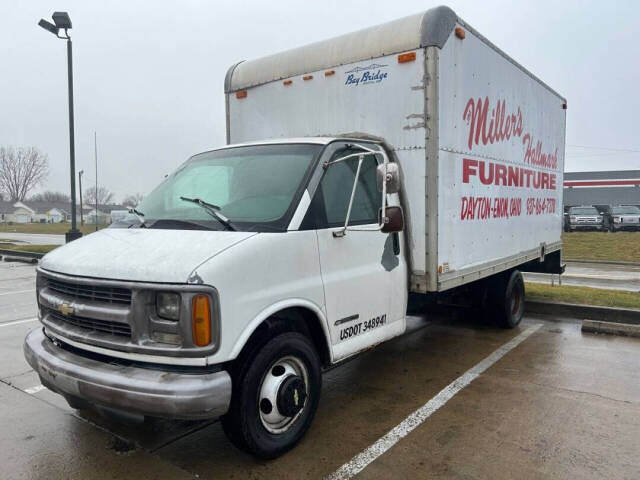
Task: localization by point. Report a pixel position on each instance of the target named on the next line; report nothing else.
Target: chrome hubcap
(283, 394)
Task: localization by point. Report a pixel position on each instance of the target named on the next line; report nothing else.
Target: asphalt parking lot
(555, 404)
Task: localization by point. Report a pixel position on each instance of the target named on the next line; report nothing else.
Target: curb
(585, 312)
(612, 328)
(602, 262)
(632, 284)
(18, 256)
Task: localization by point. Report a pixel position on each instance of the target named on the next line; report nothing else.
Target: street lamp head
(48, 26)
(62, 20)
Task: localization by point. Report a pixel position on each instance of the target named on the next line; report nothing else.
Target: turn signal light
(406, 57)
(201, 320)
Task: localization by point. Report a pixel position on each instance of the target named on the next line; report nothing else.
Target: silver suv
(585, 218)
(625, 217)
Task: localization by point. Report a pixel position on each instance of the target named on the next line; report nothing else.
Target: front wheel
(275, 396)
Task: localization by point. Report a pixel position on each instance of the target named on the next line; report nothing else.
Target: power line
(604, 148)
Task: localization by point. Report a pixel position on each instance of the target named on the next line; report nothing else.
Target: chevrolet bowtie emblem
(65, 309)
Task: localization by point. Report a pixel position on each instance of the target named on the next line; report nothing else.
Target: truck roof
(419, 30)
(425, 29)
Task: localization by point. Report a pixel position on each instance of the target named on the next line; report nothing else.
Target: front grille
(90, 292)
(103, 326)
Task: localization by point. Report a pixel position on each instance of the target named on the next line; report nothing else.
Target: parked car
(625, 217)
(586, 218)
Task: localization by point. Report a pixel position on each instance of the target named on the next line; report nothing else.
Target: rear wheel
(276, 389)
(506, 299)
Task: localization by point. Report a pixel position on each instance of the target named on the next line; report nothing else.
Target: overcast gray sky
(149, 74)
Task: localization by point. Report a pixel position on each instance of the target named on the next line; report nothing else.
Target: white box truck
(410, 157)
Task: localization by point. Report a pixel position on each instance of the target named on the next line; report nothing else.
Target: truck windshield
(254, 188)
(583, 211)
(626, 210)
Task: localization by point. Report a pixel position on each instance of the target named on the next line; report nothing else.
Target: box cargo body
(479, 139)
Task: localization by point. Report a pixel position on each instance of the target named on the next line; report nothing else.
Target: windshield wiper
(139, 215)
(212, 210)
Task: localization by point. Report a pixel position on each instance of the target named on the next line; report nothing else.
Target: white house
(22, 213)
(56, 215)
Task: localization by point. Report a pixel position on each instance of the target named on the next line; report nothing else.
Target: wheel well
(293, 319)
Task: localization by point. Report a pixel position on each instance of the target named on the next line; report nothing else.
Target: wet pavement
(561, 404)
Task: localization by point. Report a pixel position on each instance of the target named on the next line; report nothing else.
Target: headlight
(616, 219)
(168, 305)
(598, 219)
(572, 218)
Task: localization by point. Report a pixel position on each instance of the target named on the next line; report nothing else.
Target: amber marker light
(201, 320)
(241, 94)
(406, 57)
(460, 33)
(286, 83)
(307, 77)
(328, 73)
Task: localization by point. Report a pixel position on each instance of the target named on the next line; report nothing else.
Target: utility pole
(95, 151)
(80, 188)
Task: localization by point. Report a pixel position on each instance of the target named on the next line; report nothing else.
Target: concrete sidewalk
(596, 275)
(32, 238)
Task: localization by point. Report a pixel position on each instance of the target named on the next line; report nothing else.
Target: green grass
(51, 228)
(28, 248)
(582, 295)
(620, 246)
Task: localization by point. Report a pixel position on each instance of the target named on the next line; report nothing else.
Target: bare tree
(132, 200)
(49, 196)
(105, 196)
(21, 170)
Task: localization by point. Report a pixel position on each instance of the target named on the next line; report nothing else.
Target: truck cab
(586, 217)
(258, 260)
(625, 217)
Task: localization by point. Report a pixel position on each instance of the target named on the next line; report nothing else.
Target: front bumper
(586, 226)
(631, 227)
(128, 389)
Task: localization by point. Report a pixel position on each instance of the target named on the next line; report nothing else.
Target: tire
(506, 299)
(254, 424)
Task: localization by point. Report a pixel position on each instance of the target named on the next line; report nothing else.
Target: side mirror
(390, 173)
(393, 220)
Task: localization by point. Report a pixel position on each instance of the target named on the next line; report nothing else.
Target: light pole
(63, 22)
(80, 188)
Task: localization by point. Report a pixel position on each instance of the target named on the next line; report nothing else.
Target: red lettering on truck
(490, 173)
(501, 126)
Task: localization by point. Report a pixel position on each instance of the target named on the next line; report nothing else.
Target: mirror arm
(385, 162)
(361, 155)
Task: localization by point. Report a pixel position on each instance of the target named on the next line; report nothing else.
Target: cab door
(363, 272)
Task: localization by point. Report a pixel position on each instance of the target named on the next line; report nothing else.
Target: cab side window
(335, 191)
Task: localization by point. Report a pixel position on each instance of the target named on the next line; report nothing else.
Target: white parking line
(36, 389)
(8, 324)
(18, 291)
(393, 436)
